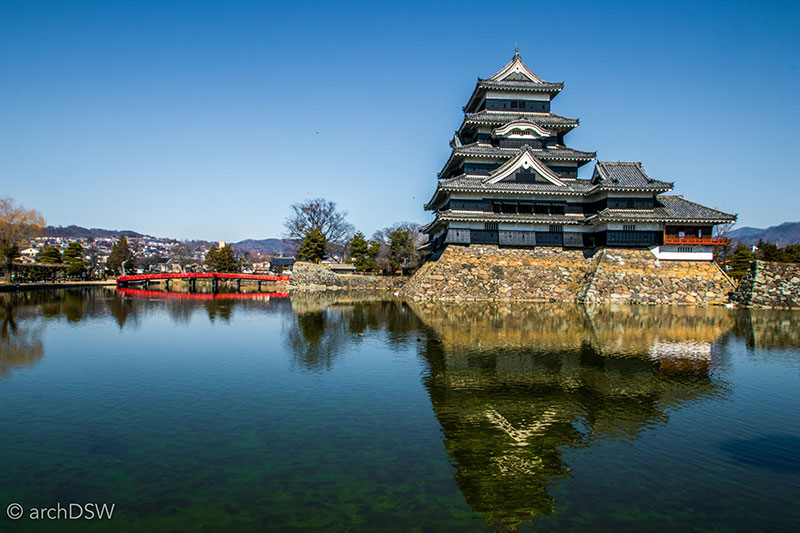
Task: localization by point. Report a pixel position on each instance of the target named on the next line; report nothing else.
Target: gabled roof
(626, 175)
(522, 124)
(517, 77)
(525, 159)
(516, 70)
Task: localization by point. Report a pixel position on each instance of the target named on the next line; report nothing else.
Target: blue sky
(206, 120)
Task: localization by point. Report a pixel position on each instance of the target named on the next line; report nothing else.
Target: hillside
(783, 234)
(76, 232)
(264, 246)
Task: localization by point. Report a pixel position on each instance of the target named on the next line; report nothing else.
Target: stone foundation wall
(637, 276)
(471, 273)
(310, 276)
(490, 273)
(768, 284)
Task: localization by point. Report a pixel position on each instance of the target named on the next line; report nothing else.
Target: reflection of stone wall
(310, 276)
(619, 329)
(769, 284)
(768, 329)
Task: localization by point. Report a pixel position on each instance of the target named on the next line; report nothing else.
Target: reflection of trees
(515, 387)
(20, 335)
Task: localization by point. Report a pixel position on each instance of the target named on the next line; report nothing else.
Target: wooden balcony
(695, 241)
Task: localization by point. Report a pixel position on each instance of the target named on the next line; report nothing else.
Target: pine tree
(120, 257)
(49, 255)
(401, 248)
(73, 256)
(742, 256)
(223, 259)
(313, 247)
(360, 249)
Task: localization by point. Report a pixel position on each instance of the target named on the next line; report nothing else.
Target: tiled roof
(467, 183)
(672, 209)
(550, 153)
(498, 118)
(626, 175)
(520, 85)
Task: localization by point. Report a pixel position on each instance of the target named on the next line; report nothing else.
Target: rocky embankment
(768, 284)
(313, 277)
(490, 273)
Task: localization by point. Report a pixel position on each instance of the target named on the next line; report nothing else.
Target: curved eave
(655, 190)
(675, 220)
(460, 154)
(564, 126)
(496, 190)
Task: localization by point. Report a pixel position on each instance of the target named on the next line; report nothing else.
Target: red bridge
(200, 275)
(213, 278)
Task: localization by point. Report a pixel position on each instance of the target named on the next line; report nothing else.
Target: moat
(342, 411)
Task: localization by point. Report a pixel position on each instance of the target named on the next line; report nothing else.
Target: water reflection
(516, 387)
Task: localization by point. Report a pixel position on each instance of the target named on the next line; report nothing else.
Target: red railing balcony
(696, 241)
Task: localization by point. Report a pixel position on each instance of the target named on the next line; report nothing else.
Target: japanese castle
(512, 181)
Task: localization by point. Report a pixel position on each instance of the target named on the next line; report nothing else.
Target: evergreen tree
(223, 259)
(363, 252)
(741, 260)
(768, 251)
(120, 256)
(73, 256)
(73, 251)
(792, 253)
(313, 246)
(49, 255)
(401, 249)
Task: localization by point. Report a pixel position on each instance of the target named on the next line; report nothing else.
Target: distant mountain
(783, 234)
(76, 232)
(264, 246)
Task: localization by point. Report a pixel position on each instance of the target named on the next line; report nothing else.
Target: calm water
(338, 413)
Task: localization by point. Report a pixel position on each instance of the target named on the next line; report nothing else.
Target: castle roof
(550, 121)
(551, 153)
(672, 209)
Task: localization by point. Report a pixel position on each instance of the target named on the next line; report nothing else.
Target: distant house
(279, 264)
(343, 268)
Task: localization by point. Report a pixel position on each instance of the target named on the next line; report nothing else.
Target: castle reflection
(516, 387)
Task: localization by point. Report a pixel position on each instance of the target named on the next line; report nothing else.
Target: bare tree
(182, 254)
(17, 226)
(384, 236)
(723, 253)
(318, 214)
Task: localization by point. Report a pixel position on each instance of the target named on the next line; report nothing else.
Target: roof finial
(516, 49)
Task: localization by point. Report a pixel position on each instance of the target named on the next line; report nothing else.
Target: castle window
(629, 204)
(687, 249)
(556, 228)
(490, 226)
(628, 227)
(513, 105)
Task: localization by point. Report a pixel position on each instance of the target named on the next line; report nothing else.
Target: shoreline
(19, 287)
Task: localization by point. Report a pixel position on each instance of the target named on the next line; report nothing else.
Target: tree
(742, 256)
(404, 254)
(120, 257)
(363, 252)
(17, 227)
(50, 255)
(182, 254)
(321, 215)
(722, 254)
(768, 251)
(401, 249)
(792, 253)
(313, 246)
(73, 256)
(74, 251)
(223, 259)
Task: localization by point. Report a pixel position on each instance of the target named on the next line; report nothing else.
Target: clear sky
(206, 120)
